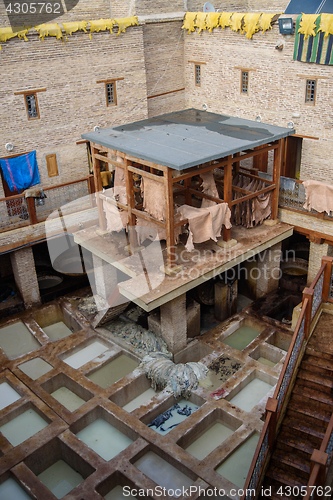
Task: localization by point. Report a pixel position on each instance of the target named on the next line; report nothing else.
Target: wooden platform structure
(172, 149)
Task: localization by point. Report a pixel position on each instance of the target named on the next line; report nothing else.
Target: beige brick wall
(276, 88)
(240, 5)
(317, 251)
(73, 102)
(164, 59)
(268, 263)
(144, 7)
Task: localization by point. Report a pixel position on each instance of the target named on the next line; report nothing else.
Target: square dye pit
(104, 439)
(209, 440)
(23, 427)
(163, 473)
(242, 337)
(117, 494)
(10, 490)
(7, 395)
(220, 370)
(57, 331)
(35, 368)
(16, 340)
(68, 399)
(113, 371)
(86, 354)
(250, 395)
(140, 400)
(60, 478)
(172, 417)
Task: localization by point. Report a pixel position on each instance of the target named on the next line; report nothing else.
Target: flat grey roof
(187, 138)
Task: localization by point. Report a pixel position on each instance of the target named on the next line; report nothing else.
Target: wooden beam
(252, 176)
(252, 195)
(278, 158)
(148, 217)
(143, 173)
(170, 223)
(98, 188)
(227, 195)
(199, 170)
(130, 205)
(206, 196)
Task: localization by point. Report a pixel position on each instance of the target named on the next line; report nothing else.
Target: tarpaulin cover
(20, 172)
(314, 39)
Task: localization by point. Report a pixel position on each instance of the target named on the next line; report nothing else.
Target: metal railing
(18, 211)
(276, 407)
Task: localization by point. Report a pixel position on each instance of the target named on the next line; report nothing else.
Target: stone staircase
(303, 428)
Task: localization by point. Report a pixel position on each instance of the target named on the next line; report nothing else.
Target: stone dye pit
(78, 416)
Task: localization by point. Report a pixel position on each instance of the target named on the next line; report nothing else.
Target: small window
(111, 96)
(32, 106)
(245, 82)
(197, 75)
(310, 93)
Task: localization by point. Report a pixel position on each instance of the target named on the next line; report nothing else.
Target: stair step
(304, 450)
(307, 420)
(284, 477)
(319, 355)
(299, 440)
(315, 409)
(314, 377)
(313, 394)
(292, 463)
(312, 365)
(302, 428)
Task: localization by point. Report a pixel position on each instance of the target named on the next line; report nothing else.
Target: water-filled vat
(10, 490)
(67, 398)
(251, 394)
(16, 339)
(57, 331)
(104, 439)
(168, 420)
(7, 395)
(35, 368)
(209, 440)
(23, 427)
(265, 361)
(163, 473)
(140, 400)
(85, 354)
(113, 371)
(48, 281)
(242, 337)
(220, 370)
(60, 478)
(236, 467)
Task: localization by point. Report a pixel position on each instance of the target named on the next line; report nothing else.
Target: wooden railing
(17, 211)
(276, 407)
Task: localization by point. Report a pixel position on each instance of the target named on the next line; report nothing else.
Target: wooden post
(32, 210)
(260, 161)
(187, 185)
(91, 189)
(327, 277)
(271, 407)
(236, 164)
(98, 187)
(131, 205)
(227, 193)
(320, 458)
(170, 223)
(276, 178)
(308, 294)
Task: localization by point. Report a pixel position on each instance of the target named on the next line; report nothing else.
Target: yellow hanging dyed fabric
(8, 33)
(236, 21)
(326, 24)
(189, 21)
(225, 19)
(307, 25)
(125, 22)
(212, 20)
(251, 24)
(49, 30)
(265, 22)
(101, 25)
(200, 21)
(71, 28)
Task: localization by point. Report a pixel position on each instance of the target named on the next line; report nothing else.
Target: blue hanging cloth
(20, 172)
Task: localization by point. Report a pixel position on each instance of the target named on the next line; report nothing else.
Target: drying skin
(71, 28)
(179, 379)
(326, 24)
(49, 30)
(307, 25)
(125, 22)
(251, 25)
(101, 25)
(318, 196)
(8, 33)
(189, 21)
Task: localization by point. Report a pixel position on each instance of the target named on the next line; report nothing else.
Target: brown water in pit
(220, 370)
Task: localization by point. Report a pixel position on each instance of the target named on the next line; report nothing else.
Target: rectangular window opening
(197, 75)
(32, 106)
(310, 93)
(110, 90)
(245, 82)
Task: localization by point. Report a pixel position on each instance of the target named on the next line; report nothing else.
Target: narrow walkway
(308, 414)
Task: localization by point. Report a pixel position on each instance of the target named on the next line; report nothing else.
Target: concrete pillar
(106, 279)
(24, 270)
(173, 323)
(268, 270)
(317, 251)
